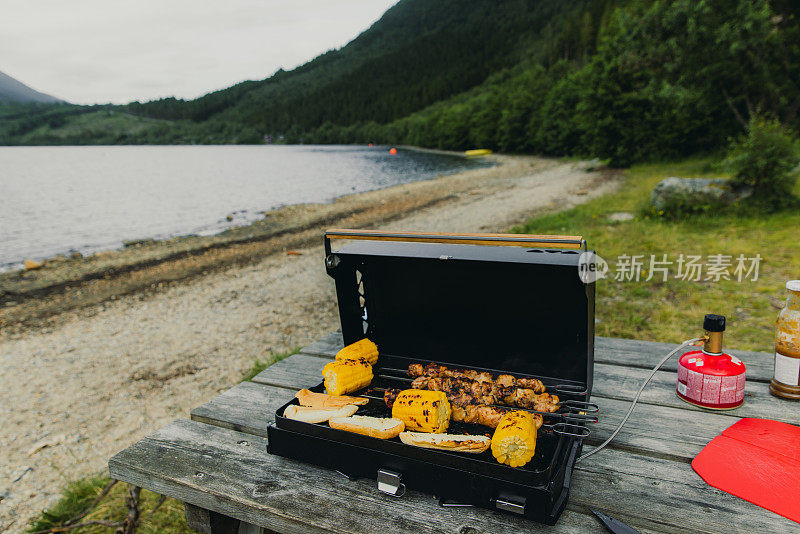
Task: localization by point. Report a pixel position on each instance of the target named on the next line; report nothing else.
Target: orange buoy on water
(370, 144)
(393, 151)
(31, 265)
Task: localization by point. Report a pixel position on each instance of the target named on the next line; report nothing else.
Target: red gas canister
(710, 378)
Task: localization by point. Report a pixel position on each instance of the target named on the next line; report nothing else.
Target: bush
(764, 159)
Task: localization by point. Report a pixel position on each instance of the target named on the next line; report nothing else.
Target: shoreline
(147, 263)
(201, 236)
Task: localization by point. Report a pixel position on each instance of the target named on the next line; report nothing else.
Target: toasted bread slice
(323, 400)
(317, 415)
(376, 427)
(447, 442)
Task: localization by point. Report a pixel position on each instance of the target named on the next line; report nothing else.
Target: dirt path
(94, 379)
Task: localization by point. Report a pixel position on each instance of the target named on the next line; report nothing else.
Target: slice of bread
(375, 427)
(317, 415)
(447, 442)
(323, 400)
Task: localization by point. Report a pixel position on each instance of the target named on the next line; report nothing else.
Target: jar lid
(793, 285)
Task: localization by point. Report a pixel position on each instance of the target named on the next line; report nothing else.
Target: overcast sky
(98, 51)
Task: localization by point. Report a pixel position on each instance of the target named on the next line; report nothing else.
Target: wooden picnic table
(217, 461)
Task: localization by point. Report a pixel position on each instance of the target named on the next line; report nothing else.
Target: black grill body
(502, 309)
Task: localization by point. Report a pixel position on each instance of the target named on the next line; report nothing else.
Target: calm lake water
(60, 199)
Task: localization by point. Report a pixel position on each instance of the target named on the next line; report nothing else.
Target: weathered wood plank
(657, 430)
(645, 354)
(246, 407)
(208, 522)
(658, 491)
(198, 519)
(250, 407)
(628, 352)
(245, 482)
(209, 467)
(617, 382)
(298, 371)
(327, 346)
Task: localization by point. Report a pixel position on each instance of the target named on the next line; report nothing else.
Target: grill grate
(549, 436)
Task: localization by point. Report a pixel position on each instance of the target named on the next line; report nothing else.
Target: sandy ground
(94, 379)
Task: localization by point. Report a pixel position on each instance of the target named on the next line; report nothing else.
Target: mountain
(12, 90)
(417, 53)
(623, 80)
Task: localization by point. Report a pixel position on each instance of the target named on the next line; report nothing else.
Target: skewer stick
(567, 417)
(575, 389)
(391, 377)
(574, 406)
(569, 424)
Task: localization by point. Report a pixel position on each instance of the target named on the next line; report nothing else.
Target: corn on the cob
(514, 441)
(346, 376)
(360, 349)
(422, 410)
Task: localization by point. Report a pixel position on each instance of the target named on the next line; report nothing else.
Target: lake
(57, 200)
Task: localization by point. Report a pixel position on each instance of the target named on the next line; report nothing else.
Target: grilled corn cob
(360, 349)
(346, 376)
(422, 410)
(514, 440)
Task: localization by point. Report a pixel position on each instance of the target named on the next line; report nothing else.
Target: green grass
(168, 518)
(672, 311)
(75, 498)
(260, 365)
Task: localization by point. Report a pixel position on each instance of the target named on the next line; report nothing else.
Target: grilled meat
(480, 415)
(464, 410)
(434, 370)
(391, 394)
(483, 392)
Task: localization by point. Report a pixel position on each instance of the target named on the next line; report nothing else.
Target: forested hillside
(663, 79)
(625, 80)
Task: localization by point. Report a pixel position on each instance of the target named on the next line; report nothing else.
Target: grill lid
(494, 301)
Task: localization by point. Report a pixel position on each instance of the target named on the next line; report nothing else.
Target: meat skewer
(434, 370)
(489, 392)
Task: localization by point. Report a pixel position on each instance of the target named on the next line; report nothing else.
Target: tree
(674, 77)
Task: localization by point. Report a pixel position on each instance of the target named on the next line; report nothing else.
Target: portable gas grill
(512, 304)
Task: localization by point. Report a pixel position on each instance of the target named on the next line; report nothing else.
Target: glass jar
(786, 378)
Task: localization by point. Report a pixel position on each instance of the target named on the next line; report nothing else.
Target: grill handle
(573, 242)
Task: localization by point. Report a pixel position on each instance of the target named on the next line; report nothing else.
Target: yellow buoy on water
(477, 152)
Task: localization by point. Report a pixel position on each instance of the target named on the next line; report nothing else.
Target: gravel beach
(98, 364)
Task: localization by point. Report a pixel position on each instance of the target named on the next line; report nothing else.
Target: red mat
(757, 460)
